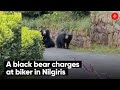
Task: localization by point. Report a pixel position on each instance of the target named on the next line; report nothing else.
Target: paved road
(94, 66)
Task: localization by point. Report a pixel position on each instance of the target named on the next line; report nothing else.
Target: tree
(34, 14)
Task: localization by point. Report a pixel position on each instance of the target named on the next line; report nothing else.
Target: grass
(58, 20)
(97, 49)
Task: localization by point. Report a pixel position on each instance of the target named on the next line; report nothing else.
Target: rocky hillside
(104, 30)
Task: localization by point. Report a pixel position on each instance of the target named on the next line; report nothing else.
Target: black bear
(60, 41)
(47, 41)
(63, 39)
(68, 39)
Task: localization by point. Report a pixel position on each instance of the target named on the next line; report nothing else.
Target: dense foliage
(81, 13)
(34, 14)
(17, 44)
(8, 22)
(58, 20)
(32, 45)
(9, 28)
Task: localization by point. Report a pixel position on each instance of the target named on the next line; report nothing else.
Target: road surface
(94, 66)
(102, 66)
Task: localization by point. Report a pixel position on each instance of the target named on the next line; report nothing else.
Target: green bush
(17, 44)
(8, 21)
(8, 43)
(32, 45)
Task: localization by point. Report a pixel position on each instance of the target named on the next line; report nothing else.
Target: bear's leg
(67, 45)
(52, 43)
(63, 44)
(58, 45)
